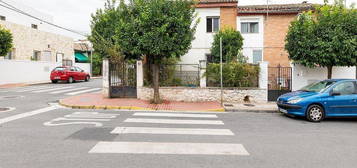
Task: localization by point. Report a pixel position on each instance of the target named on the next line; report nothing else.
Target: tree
(156, 29)
(325, 37)
(5, 41)
(103, 25)
(232, 43)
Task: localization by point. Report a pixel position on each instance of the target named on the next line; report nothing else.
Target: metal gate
(122, 80)
(280, 82)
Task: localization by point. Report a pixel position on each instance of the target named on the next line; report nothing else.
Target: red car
(69, 74)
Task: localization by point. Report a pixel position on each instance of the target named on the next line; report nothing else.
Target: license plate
(283, 110)
(57, 77)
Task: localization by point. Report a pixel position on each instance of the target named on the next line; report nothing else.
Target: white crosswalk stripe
(165, 147)
(53, 89)
(170, 148)
(176, 115)
(83, 91)
(180, 131)
(69, 90)
(170, 121)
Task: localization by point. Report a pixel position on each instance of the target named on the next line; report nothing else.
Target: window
(46, 56)
(257, 56)
(36, 56)
(212, 24)
(249, 27)
(79, 69)
(3, 18)
(345, 88)
(34, 26)
(59, 57)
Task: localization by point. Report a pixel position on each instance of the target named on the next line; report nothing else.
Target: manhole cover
(249, 105)
(10, 97)
(2, 109)
(6, 109)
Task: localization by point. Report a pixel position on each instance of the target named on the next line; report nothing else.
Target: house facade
(33, 39)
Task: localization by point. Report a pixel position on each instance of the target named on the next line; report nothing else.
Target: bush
(235, 74)
(5, 41)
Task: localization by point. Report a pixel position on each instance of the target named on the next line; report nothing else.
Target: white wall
(15, 71)
(203, 40)
(84, 66)
(252, 41)
(303, 76)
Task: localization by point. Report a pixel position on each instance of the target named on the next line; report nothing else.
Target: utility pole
(221, 68)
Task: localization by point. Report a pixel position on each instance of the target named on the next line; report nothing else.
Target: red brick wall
(228, 17)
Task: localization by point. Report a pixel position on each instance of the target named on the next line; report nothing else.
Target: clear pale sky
(75, 14)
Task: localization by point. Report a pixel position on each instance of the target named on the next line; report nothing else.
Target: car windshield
(59, 69)
(317, 86)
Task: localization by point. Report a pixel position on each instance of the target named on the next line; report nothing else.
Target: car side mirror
(82, 70)
(333, 93)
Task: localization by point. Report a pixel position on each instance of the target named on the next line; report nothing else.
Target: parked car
(69, 74)
(328, 98)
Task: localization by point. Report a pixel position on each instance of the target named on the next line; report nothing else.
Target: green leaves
(5, 41)
(232, 42)
(326, 37)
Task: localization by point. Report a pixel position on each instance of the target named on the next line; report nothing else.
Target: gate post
(202, 69)
(139, 74)
(105, 70)
(263, 75)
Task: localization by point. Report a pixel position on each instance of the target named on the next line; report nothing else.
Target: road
(39, 135)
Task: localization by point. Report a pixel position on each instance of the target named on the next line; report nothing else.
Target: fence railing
(234, 75)
(185, 75)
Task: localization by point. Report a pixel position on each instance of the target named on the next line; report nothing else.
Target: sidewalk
(96, 101)
(269, 107)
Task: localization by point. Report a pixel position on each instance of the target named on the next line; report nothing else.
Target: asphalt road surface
(39, 134)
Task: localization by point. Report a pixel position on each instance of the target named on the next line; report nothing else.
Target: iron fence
(245, 76)
(173, 75)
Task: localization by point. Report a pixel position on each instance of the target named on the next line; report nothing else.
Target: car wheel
(54, 81)
(315, 113)
(87, 79)
(70, 80)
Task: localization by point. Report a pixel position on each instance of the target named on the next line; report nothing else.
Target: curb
(251, 111)
(132, 108)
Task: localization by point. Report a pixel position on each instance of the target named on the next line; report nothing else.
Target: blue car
(328, 98)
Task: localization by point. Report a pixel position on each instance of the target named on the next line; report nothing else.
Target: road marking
(176, 115)
(170, 148)
(181, 131)
(80, 118)
(53, 89)
(83, 91)
(28, 114)
(169, 121)
(69, 90)
(33, 88)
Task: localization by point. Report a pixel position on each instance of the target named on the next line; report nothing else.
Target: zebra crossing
(162, 124)
(66, 90)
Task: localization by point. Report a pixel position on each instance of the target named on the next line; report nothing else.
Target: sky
(76, 14)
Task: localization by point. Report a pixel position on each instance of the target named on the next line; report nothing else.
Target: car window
(345, 88)
(73, 69)
(59, 69)
(79, 69)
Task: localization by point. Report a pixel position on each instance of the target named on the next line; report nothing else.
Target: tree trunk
(329, 72)
(156, 72)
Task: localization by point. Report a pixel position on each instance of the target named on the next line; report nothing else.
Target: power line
(11, 7)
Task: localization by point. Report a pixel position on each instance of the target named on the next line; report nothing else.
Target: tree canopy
(5, 41)
(232, 43)
(325, 37)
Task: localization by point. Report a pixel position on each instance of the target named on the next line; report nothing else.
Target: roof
(81, 47)
(217, 1)
(275, 8)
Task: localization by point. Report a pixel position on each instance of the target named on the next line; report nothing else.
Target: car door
(74, 73)
(81, 73)
(343, 99)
